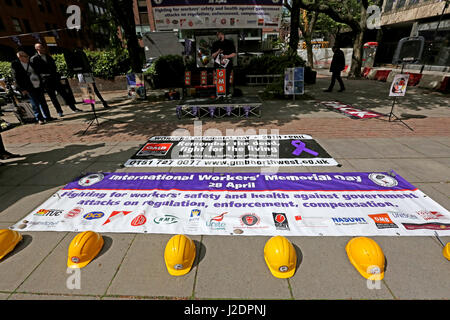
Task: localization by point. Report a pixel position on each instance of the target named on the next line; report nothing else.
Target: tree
(307, 27)
(350, 12)
(122, 15)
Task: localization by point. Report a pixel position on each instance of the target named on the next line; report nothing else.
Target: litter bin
(69, 94)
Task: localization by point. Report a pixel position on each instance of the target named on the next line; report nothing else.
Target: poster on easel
(87, 92)
(294, 81)
(399, 85)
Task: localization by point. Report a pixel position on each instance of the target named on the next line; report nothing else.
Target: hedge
(104, 64)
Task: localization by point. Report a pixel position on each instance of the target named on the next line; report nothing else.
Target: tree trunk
(295, 25)
(122, 13)
(355, 70)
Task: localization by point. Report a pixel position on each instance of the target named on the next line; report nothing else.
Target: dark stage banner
(231, 151)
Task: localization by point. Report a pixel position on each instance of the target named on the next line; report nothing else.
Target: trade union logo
(195, 213)
(139, 221)
(48, 213)
(383, 180)
(91, 179)
(73, 213)
(166, 219)
(116, 215)
(431, 215)
(348, 221)
(155, 149)
(94, 215)
(216, 223)
(280, 220)
(250, 220)
(383, 221)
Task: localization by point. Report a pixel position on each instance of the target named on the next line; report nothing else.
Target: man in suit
(29, 83)
(46, 68)
(337, 65)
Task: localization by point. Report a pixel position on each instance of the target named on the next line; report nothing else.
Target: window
(49, 6)
(2, 25)
(40, 5)
(16, 25)
(26, 24)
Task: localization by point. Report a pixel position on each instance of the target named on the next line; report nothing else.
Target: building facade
(427, 18)
(25, 22)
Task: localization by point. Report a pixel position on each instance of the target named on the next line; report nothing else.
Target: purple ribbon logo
(300, 147)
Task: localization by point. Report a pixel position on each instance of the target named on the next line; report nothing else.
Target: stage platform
(241, 107)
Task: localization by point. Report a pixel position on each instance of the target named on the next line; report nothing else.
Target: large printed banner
(216, 14)
(231, 151)
(290, 204)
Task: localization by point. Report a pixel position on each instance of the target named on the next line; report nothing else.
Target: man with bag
(29, 83)
(46, 67)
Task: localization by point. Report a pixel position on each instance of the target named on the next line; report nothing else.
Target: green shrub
(169, 71)
(269, 64)
(5, 69)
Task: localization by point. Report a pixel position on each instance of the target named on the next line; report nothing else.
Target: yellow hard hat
(367, 257)
(179, 255)
(446, 251)
(84, 248)
(8, 241)
(280, 257)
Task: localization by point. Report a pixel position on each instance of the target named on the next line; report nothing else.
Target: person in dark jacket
(45, 66)
(29, 83)
(225, 49)
(337, 65)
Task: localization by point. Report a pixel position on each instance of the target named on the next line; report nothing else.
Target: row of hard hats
(279, 253)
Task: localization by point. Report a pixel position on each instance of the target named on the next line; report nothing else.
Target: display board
(216, 14)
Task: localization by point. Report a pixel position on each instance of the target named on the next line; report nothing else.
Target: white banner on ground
(290, 204)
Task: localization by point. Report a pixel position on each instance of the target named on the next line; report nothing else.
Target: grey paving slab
(426, 170)
(88, 153)
(234, 267)
(20, 201)
(350, 148)
(415, 268)
(118, 153)
(103, 166)
(26, 256)
(381, 165)
(15, 174)
(445, 140)
(4, 296)
(57, 174)
(426, 146)
(51, 276)
(391, 148)
(143, 271)
(325, 272)
(30, 296)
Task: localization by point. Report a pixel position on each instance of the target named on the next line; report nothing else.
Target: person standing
(46, 67)
(337, 66)
(29, 83)
(224, 49)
